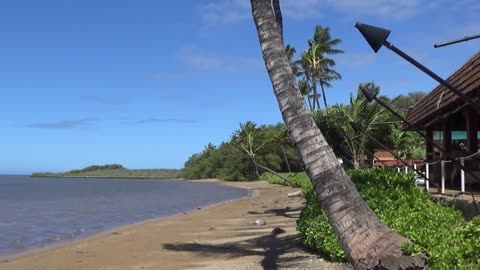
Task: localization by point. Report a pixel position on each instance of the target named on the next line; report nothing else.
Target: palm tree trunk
(274, 172)
(315, 95)
(286, 160)
(368, 243)
(255, 166)
(278, 16)
(323, 95)
(309, 103)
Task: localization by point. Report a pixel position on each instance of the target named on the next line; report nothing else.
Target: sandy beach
(222, 236)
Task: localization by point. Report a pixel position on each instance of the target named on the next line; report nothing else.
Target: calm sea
(39, 212)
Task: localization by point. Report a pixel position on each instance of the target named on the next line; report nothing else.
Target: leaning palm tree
(368, 243)
(251, 141)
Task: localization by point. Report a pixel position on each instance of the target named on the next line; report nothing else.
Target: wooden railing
(427, 165)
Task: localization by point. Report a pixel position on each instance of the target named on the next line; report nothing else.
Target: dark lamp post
(467, 38)
(377, 37)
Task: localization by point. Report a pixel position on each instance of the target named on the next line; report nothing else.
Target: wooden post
(442, 190)
(398, 169)
(447, 138)
(471, 124)
(429, 152)
(462, 174)
(427, 174)
(406, 169)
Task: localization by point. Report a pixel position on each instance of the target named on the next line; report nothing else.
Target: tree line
(253, 149)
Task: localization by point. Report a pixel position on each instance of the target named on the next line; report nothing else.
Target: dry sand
(216, 237)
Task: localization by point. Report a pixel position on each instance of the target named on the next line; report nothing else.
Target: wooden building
(441, 114)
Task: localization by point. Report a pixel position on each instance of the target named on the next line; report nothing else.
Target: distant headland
(114, 171)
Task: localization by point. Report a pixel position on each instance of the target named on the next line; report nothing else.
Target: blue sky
(147, 83)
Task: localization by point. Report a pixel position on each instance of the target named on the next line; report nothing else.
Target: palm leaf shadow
(270, 247)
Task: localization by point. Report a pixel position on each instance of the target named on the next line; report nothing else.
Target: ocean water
(40, 212)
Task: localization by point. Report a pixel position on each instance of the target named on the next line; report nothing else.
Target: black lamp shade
(369, 93)
(375, 36)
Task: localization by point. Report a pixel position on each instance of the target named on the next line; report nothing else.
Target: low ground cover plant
(441, 232)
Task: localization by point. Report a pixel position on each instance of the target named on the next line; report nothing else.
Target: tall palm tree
(368, 243)
(315, 63)
(323, 37)
(311, 63)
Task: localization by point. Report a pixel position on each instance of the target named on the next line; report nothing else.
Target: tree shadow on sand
(270, 247)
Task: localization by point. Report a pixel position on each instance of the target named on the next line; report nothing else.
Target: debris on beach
(260, 222)
(295, 194)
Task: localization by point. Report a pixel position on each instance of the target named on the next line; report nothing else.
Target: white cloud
(64, 124)
(232, 11)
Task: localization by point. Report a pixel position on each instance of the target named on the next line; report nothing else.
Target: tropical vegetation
(449, 240)
(252, 149)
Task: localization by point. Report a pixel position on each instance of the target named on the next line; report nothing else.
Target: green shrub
(438, 231)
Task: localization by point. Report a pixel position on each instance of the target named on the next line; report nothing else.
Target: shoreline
(107, 177)
(218, 236)
(251, 193)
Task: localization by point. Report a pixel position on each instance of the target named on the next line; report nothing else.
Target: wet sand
(222, 236)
